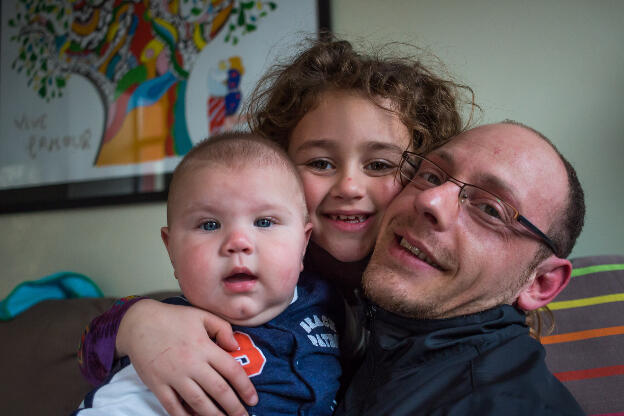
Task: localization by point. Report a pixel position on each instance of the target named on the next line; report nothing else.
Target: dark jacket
(480, 364)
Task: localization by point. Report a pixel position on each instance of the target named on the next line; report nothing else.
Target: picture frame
(63, 88)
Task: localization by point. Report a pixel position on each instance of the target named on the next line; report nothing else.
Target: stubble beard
(385, 289)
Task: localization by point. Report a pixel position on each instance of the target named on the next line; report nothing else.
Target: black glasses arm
(522, 220)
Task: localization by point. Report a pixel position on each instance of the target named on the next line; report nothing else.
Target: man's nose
(237, 241)
(439, 205)
(350, 184)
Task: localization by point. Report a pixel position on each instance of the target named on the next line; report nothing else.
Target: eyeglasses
(482, 204)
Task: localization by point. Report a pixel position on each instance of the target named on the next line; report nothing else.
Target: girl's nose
(349, 185)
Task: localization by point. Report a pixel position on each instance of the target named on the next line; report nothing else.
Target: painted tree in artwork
(137, 53)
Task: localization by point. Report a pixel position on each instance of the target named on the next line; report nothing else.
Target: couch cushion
(586, 349)
(38, 353)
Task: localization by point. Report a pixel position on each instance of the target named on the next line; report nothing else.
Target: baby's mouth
(418, 253)
(353, 219)
(240, 278)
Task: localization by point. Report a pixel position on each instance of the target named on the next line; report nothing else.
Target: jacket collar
(394, 332)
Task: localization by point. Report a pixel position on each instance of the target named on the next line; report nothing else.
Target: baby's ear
(551, 277)
(164, 234)
(307, 229)
(308, 232)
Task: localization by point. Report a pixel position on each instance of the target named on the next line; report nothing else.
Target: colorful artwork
(103, 91)
(225, 98)
(138, 54)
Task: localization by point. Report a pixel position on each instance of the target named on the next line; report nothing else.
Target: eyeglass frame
(517, 217)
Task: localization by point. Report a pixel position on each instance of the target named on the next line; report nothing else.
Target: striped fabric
(586, 350)
(216, 114)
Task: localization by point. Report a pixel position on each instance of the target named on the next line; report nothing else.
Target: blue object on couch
(62, 285)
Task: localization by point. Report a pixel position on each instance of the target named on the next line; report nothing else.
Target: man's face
(236, 240)
(433, 259)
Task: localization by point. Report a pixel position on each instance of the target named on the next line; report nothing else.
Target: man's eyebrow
(484, 180)
(444, 155)
(498, 187)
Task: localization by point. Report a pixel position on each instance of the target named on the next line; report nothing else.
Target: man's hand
(171, 348)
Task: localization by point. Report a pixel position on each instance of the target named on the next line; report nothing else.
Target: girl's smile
(347, 149)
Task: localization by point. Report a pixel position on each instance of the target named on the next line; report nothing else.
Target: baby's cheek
(284, 259)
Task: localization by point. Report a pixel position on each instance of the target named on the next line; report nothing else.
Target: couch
(586, 349)
(38, 355)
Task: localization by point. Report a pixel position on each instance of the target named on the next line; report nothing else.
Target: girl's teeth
(348, 218)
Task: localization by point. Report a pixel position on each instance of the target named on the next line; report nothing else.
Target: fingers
(217, 382)
(233, 372)
(170, 401)
(226, 366)
(195, 403)
(220, 330)
(198, 403)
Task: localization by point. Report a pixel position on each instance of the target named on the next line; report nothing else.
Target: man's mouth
(418, 253)
(353, 219)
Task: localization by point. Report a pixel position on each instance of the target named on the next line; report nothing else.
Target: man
(450, 279)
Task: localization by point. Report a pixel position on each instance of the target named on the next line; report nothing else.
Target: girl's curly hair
(426, 103)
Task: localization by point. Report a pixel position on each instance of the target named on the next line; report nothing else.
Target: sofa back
(586, 349)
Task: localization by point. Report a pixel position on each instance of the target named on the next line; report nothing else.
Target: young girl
(344, 118)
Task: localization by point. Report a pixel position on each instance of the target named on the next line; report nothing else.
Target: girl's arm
(96, 354)
(171, 348)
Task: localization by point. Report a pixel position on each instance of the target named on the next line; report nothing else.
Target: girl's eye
(263, 222)
(320, 164)
(379, 165)
(210, 225)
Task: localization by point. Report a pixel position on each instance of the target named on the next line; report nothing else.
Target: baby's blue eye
(263, 222)
(210, 225)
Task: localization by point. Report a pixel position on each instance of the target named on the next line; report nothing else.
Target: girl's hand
(171, 348)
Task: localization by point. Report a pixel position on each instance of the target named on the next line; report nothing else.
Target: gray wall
(557, 66)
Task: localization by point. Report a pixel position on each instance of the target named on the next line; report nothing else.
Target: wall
(557, 66)
(117, 247)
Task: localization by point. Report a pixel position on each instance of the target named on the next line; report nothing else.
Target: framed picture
(100, 100)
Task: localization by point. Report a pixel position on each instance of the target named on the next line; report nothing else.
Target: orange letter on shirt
(249, 356)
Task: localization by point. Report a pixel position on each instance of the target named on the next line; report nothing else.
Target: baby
(237, 231)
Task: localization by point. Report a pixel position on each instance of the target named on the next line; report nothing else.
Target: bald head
(541, 163)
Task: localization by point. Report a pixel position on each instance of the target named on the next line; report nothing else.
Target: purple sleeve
(97, 345)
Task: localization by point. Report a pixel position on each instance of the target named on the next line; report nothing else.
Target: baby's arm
(171, 348)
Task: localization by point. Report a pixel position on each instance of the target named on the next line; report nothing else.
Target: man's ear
(308, 232)
(164, 234)
(551, 277)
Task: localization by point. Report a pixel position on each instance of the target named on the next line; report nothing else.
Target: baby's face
(236, 240)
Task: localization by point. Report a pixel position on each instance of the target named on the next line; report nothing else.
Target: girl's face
(347, 150)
